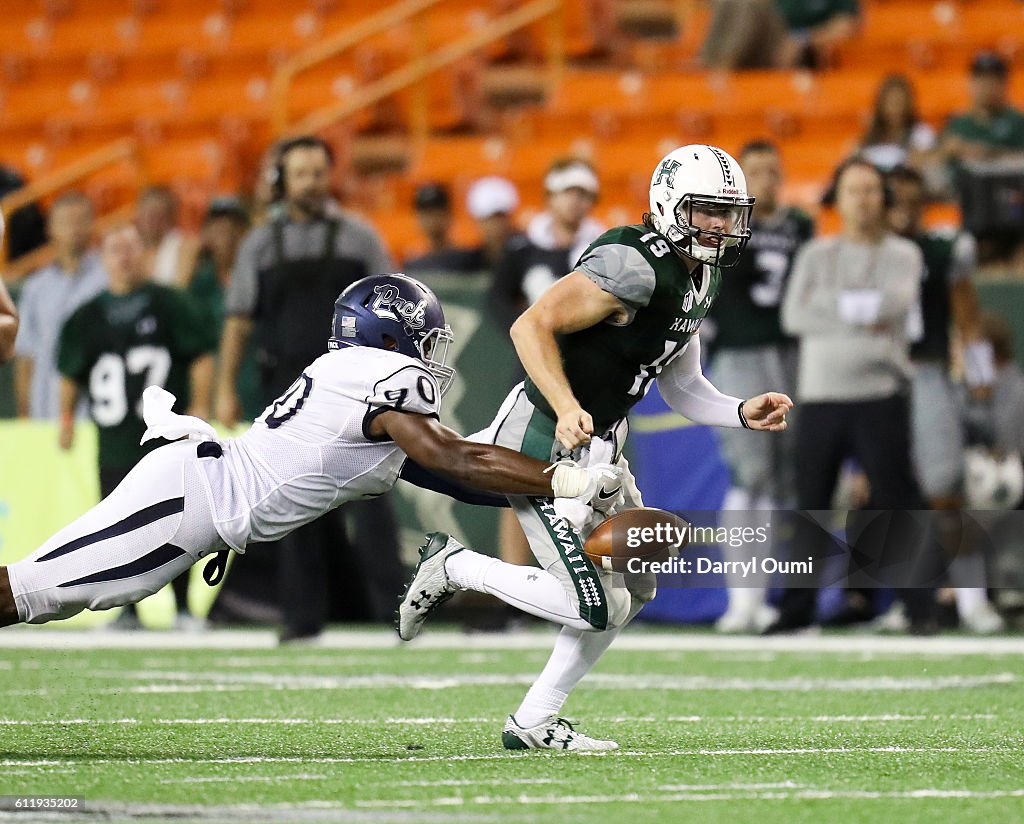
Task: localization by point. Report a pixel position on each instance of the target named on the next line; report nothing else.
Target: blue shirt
(50, 296)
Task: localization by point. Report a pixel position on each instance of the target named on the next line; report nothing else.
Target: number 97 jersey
(611, 365)
(311, 450)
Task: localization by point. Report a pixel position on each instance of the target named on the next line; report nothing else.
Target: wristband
(743, 418)
(568, 480)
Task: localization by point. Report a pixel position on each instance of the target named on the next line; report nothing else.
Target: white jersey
(311, 451)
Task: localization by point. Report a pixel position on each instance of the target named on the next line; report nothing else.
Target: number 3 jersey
(747, 312)
(311, 449)
(611, 365)
(115, 346)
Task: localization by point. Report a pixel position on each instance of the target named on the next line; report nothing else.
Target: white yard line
(12, 762)
(430, 721)
(174, 681)
(655, 798)
(638, 639)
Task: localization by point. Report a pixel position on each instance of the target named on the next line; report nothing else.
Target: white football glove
(598, 486)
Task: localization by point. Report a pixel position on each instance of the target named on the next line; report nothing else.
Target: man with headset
(285, 280)
(853, 300)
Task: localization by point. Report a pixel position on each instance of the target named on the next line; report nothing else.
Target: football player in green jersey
(750, 349)
(133, 335)
(592, 346)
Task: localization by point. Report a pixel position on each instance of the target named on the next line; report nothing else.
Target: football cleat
(552, 734)
(429, 587)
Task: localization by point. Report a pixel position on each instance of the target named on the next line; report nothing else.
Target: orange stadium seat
(182, 74)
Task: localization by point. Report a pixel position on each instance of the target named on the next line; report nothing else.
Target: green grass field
(832, 729)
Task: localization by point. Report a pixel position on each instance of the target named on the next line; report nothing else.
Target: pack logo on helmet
(391, 306)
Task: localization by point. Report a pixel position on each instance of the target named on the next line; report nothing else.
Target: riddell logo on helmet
(731, 190)
(389, 304)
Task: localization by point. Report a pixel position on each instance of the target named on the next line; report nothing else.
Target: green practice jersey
(115, 346)
(610, 366)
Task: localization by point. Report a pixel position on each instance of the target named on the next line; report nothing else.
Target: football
(646, 533)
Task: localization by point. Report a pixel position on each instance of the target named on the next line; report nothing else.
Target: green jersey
(808, 14)
(611, 365)
(747, 312)
(115, 346)
(1004, 130)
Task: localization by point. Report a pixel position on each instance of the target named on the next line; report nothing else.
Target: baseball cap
(989, 62)
(432, 196)
(491, 196)
(574, 176)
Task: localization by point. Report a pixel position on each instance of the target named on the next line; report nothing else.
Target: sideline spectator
(224, 225)
(134, 334)
(169, 254)
(26, 229)
(897, 136)
(991, 128)
(852, 301)
(492, 201)
(433, 203)
(948, 300)
(49, 297)
(750, 349)
(287, 276)
(554, 239)
(777, 34)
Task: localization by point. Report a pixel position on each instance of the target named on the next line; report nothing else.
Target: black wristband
(743, 418)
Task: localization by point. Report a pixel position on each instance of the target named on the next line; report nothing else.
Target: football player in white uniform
(341, 432)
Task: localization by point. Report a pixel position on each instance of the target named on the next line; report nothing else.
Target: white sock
(574, 655)
(968, 570)
(747, 593)
(527, 588)
(969, 599)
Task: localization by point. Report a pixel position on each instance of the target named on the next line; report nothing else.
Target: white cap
(491, 196)
(574, 176)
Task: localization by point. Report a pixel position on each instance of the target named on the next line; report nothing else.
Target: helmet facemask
(684, 235)
(433, 349)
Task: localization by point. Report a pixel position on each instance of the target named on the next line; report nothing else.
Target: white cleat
(983, 620)
(552, 734)
(892, 621)
(429, 587)
(747, 622)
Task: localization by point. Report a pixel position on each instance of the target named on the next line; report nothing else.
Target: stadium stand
(191, 82)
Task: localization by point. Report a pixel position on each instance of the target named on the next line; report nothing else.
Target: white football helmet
(704, 179)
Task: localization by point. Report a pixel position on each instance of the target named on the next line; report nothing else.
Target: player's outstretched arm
(573, 303)
(688, 392)
(484, 466)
